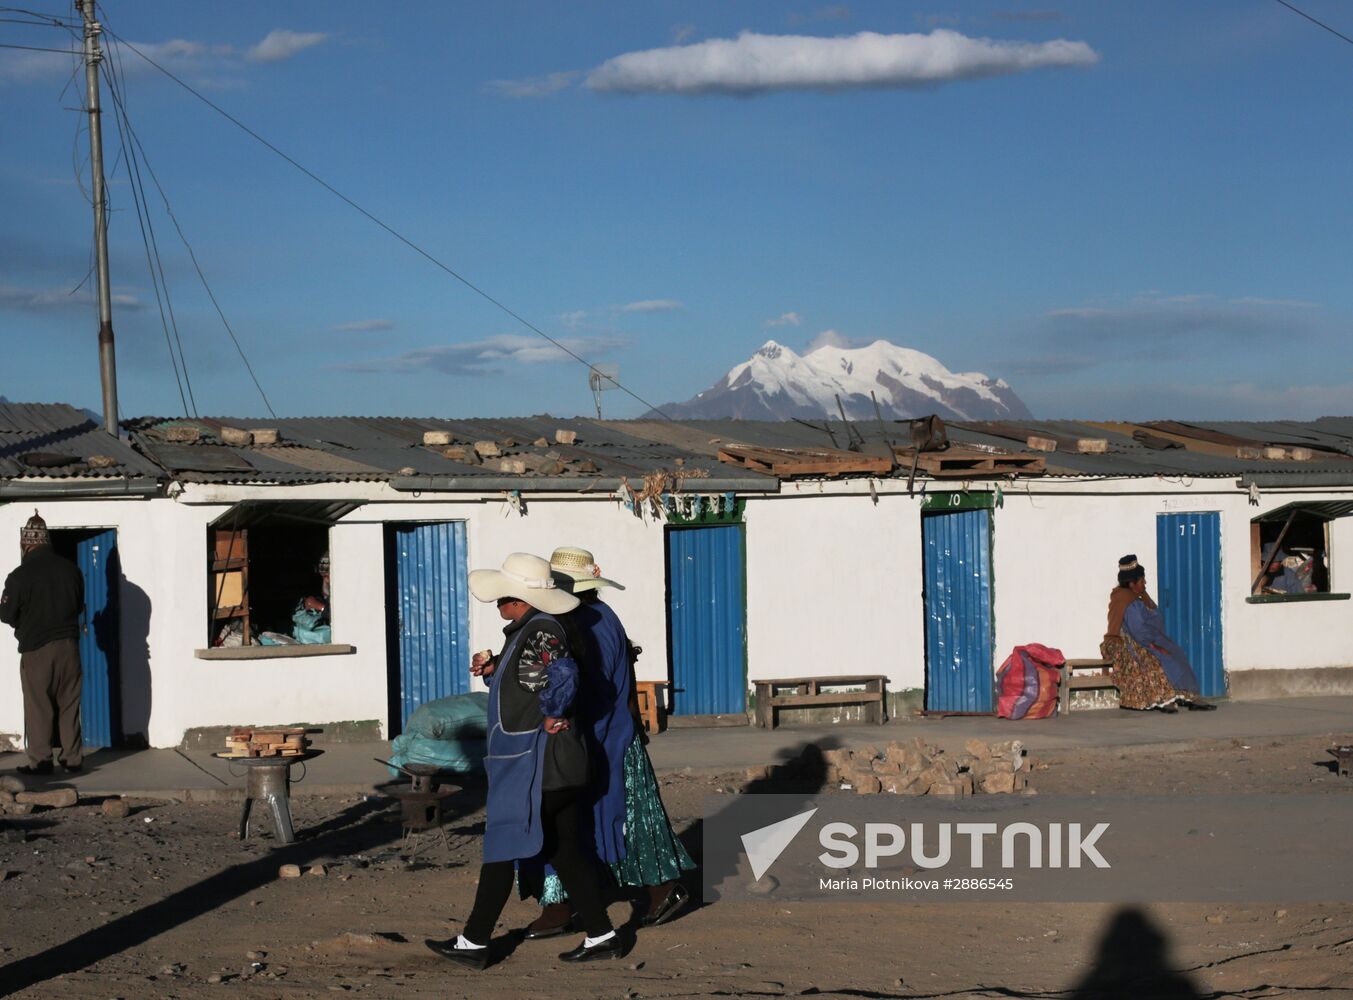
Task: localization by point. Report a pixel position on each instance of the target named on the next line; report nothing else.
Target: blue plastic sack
(307, 628)
(450, 733)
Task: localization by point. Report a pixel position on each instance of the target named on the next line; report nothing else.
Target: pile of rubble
(912, 767)
(16, 800)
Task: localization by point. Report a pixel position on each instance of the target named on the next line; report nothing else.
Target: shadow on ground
(359, 828)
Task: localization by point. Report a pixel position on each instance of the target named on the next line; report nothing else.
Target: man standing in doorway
(42, 601)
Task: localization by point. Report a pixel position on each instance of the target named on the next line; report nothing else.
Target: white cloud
(1239, 400)
(829, 338)
(218, 66)
(363, 326)
(1251, 300)
(533, 86)
(281, 44)
(785, 319)
(573, 319)
(753, 63)
(484, 357)
(682, 32)
(22, 67)
(175, 48)
(48, 299)
(650, 306)
(1164, 318)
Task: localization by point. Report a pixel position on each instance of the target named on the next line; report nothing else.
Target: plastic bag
(307, 628)
(450, 733)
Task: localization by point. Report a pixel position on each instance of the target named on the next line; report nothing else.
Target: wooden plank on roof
(804, 461)
(961, 462)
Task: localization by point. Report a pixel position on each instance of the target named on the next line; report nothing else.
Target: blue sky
(1127, 210)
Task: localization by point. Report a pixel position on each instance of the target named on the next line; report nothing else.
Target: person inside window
(311, 617)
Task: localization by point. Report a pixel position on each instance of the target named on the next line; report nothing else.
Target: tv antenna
(599, 379)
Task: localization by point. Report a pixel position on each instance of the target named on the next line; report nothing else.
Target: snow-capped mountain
(777, 384)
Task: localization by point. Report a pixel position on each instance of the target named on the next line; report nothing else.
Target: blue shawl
(603, 707)
(1145, 627)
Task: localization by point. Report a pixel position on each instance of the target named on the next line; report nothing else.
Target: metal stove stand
(268, 780)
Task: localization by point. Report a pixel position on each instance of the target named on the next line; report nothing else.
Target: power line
(426, 255)
(1302, 13)
(36, 48)
(137, 146)
(54, 20)
(151, 245)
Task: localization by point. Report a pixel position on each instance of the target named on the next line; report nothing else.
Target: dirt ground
(166, 903)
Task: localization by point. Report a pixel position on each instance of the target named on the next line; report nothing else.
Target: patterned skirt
(653, 853)
(1141, 680)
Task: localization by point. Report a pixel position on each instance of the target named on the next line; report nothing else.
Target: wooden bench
(649, 696)
(1101, 680)
(808, 693)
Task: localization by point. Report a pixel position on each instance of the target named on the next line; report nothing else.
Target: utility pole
(107, 358)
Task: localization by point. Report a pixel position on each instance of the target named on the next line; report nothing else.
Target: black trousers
(561, 817)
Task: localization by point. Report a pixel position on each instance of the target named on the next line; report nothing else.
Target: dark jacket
(524, 707)
(43, 599)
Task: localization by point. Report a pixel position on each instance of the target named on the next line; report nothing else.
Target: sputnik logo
(763, 846)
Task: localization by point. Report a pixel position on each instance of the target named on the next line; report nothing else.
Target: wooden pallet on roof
(959, 463)
(804, 461)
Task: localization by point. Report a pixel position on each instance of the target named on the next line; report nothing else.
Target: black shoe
(669, 908)
(613, 947)
(44, 768)
(1200, 706)
(539, 934)
(72, 768)
(471, 958)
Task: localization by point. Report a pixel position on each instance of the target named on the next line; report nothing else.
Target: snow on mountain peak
(771, 350)
(777, 383)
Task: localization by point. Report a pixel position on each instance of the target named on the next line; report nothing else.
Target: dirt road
(168, 904)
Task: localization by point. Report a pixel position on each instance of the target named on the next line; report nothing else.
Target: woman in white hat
(536, 762)
(631, 829)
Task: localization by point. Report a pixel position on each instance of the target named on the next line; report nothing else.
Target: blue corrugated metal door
(1188, 553)
(958, 620)
(431, 614)
(706, 620)
(101, 701)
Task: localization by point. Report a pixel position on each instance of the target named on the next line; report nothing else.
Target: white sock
(465, 944)
(592, 942)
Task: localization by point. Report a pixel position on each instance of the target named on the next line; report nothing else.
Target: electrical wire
(55, 20)
(426, 255)
(151, 245)
(34, 48)
(1298, 11)
(201, 275)
(138, 147)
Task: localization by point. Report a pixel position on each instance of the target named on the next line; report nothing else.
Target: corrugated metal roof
(338, 449)
(57, 429)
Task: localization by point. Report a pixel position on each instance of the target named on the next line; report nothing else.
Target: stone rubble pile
(913, 767)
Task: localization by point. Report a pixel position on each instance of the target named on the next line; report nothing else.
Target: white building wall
(146, 547)
(834, 586)
(1056, 556)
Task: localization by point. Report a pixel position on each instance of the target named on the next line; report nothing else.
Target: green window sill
(1293, 598)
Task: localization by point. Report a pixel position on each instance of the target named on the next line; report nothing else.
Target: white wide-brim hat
(525, 577)
(579, 570)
